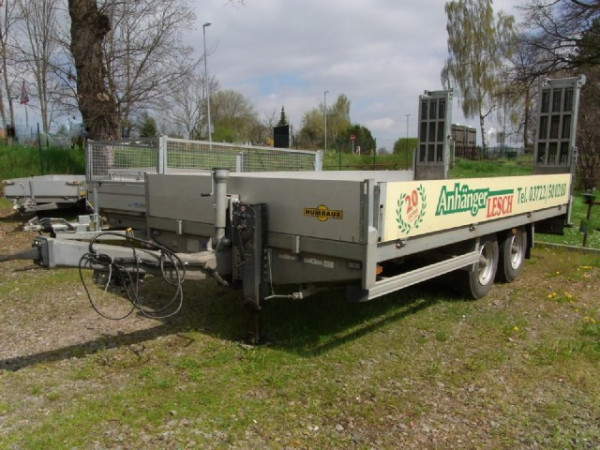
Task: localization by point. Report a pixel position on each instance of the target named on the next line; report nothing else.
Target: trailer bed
(45, 192)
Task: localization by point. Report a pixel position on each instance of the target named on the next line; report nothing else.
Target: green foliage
(362, 139)
(335, 160)
(18, 162)
(312, 133)
(282, 118)
(224, 132)
(405, 147)
(465, 168)
(147, 125)
(234, 118)
(478, 46)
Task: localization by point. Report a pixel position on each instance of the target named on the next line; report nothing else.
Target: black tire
(480, 276)
(513, 249)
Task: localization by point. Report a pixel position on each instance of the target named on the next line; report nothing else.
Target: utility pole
(406, 144)
(207, 82)
(325, 115)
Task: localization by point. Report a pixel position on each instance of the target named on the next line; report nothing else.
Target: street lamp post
(406, 145)
(207, 83)
(325, 115)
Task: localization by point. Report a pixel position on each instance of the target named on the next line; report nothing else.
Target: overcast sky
(382, 54)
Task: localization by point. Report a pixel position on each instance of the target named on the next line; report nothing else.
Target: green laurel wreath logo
(404, 226)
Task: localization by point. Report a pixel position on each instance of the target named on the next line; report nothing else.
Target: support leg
(249, 230)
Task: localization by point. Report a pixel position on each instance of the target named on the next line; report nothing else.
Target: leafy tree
(312, 130)
(234, 118)
(338, 121)
(406, 146)
(363, 139)
(478, 46)
(147, 125)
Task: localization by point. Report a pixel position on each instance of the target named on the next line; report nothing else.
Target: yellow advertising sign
(419, 207)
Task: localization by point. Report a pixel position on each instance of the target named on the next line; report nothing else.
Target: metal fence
(129, 160)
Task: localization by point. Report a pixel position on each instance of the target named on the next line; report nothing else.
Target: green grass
(573, 234)
(333, 160)
(16, 162)
(420, 368)
(464, 168)
(421, 364)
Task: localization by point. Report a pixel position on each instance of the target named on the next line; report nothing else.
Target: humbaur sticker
(323, 213)
(411, 209)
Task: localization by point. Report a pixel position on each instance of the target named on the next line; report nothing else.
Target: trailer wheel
(480, 276)
(512, 255)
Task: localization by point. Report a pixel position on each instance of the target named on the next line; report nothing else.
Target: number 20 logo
(412, 215)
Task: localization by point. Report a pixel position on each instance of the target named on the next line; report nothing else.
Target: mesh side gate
(121, 160)
(185, 155)
(266, 160)
(129, 160)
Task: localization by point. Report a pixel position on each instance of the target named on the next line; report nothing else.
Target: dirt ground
(53, 302)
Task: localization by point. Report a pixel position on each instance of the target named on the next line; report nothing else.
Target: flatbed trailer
(370, 232)
(45, 192)
(365, 229)
(373, 233)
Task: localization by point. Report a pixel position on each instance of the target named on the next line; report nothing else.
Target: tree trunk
(88, 29)
(527, 118)
(482, 128)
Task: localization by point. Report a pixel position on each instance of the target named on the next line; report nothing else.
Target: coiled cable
(169, 264)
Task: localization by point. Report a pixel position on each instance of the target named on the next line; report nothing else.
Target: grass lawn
(420, 368)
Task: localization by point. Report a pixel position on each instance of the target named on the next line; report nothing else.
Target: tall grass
(461, 168)
(26, 161)
(464, 168)
(333, 160)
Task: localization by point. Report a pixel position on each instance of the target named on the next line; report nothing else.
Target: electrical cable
(171, 267)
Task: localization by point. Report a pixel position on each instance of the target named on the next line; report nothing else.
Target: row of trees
(122, 65)
(109, 61)
(115, 60)
(496, 66)
(342, 134)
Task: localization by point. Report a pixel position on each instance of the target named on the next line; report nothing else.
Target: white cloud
(382, 54)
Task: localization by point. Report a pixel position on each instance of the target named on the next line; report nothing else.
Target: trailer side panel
(418, 208)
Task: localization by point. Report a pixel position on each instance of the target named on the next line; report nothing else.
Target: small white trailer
(45, 192)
